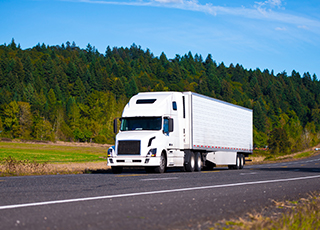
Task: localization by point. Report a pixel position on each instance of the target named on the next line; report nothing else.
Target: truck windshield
(140, 123)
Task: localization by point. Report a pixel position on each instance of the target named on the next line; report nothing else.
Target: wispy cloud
(281, 28)
(269, 3)
(270, 10)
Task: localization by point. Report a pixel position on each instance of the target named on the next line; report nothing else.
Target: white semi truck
(160, 130)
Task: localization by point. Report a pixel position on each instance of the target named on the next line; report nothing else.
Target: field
(53, 153)
(18, 158)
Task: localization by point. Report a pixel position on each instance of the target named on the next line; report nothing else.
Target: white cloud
(269, 10)
(303, 27)
(269, 3)
(281, 28)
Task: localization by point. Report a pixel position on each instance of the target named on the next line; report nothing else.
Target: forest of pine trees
(72, 94)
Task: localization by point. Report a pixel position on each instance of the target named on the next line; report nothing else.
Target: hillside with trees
(66, 93)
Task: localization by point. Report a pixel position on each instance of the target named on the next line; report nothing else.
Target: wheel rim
(192, 163)
(241, 162)
(238, 162)
(199, 162)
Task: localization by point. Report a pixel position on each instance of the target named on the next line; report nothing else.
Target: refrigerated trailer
(159, 130)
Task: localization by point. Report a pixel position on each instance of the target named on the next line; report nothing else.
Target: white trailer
(181, 129)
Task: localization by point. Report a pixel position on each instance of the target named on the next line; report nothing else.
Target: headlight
(152, 153)
(111, 151)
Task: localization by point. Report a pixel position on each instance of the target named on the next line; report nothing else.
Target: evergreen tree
(25, 119)
(11, 121)
(46, 77)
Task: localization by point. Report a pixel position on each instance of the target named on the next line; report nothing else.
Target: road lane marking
(130, 175)
(210, 171)
(153, 192)
(153, 179)
(253, 173)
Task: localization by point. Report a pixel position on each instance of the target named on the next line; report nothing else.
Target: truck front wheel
(163, 164)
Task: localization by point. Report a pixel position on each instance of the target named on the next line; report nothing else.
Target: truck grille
(129, 148)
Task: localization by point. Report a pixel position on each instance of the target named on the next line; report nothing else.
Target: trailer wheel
(241, 161)
(238, 163)
(198, 162)
(163, 164)
(191, 163)
(116, 169)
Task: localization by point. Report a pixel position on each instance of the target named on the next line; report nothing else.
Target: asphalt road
(137, 200)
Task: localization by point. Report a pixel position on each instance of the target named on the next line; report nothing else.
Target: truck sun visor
(146, 101)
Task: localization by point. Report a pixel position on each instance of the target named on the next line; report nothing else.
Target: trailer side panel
(220, 126)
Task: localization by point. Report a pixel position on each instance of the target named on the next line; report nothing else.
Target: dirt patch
(87, 167)
(25, 168)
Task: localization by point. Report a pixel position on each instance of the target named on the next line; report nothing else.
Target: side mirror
(170, 125)
(115, 125)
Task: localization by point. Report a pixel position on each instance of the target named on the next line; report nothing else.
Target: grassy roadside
(263, 157)
(18, 159)
(287, 215)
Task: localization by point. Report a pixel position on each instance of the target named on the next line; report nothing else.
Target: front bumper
(130, 161)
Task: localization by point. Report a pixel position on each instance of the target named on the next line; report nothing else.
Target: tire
(163, 164)
(238, 162)
(191, 163)
(198, 162)
(241, 161)
(116, 169)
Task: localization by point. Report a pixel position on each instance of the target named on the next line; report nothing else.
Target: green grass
(304, 154)
(45, 153)
(299, 214)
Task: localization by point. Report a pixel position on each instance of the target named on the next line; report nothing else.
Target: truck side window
(184, 107)
(166, 126)
(174, 105)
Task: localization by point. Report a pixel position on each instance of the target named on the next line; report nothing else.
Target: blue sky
(273, 34)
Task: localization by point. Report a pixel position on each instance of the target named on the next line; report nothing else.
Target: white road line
(242, 174)
(153, 179)
(153, 192)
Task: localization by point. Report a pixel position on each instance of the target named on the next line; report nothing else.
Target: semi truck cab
(150, 133)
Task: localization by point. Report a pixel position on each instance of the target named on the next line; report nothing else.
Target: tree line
(67, 93)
